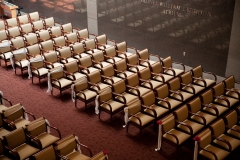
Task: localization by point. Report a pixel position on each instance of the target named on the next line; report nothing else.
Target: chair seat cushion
(209, 82)
(160, 110)
(145, 119)
(114, 105)
(186, 96)
(181, 136)
(142, 90)
(77, 76)
(233, 94)
(24, 63)
(177, 71)
(94, 50)
(166, 77)
(234, 133)
(126, 53)
(26, 150)
(3, 157)
(155, 84)
(128, 97)
(101, 86)
(221, 109)
(90, 69)
(68, 60)
(42, 71)
(139, 68)
(128, 73)
(21, 122)
(209, 118)
(197, 89)
(174, 103)
(220, 153)
(47, 139)
(56, 64)
(63, 81)
(104, 47)
(195, 126)
(115, 80)
(233, 142)
(104, 64)
(82, 55)
(76, 156)
(232, 101)
(88, 93)
(116, 59)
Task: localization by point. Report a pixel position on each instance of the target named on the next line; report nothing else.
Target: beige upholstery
(11, 22)
(44, 35)
(3, 36)
(31, 39)
(134, 62)
(184, 123)
(65, 55)
(14, 32)
(229, 84)
(49, 22)
(59, 42)
(33, 50)
(2, 156)
(18, 43)
(145, 56)
(3, 131)
(26, 29)
(145, 75)
(96, 81)
(51, 60)
(124, 50)
(23, 19)
(56, 32)
(108, 75)
(47, 46)
(84, 34)
(112, 54)
(2, 25)
(38, 26)
(232, 123)
(17, 143)
(91, 46)
(122, 69)
(47, 153)
(72, 38)
(5, 54)
(72, 71)
(78, 50)
(86, 65)
(103, 42)
(34, 16)
(158, 74)
(67, 28)
(99, 60)
(168, 69)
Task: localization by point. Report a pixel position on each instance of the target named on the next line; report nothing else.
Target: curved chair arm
(10, 103)
(160, 75)
(82, 67)
(143, 60)
(59, 133)
(180, 64)
(214, 75)
(9, 123)
(119, 52)
(137, 119)
(200, 79)
(35, 139)
(212, 107)
(29, 113)
(69, 42)
(146, 81)
(190, 86)
(109, 78)
(94, 84)
(134, 88)
(233, 90)
(107, 104)
(13, 152)
(84, 146)
(234, 129)
(62, 156)
(168, 103)
(121, 72)
(225, 141)
(120, 95)
(49, 63)
(83, 94)
(150, 108)
(96, 62)
(166, 69)
(178, 93)
(200, 116)
(184, 124)
(89, 49)
(134, 66)
(224, 99)
(173, 136)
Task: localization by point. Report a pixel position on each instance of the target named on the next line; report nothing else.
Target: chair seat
(150, 61)
(177, 71)
(233, 142)
(114, 104)
(142, 90)
(26, 150)
(166, 77)
(186, 96)
(198, 89)
(7, 55)
(63, 81)
(181, 136)
(104, 47)
(88, 93)
(209, 82)
(24, 63)
(21, 122)
(128, 97)
(145, 119)
(160, 110)
(70, 59)
(126, 53)
(42, 71)
(128, 74)
(221, 109)
(234, 133)
(116, 59)
(220, 153)
(47, 139)
(104, 64)
(101, 86)
(3, 132)
(209, 118)
(232, 101)
(115, 80)
(82, 55)
(155, 84)
(233, 94)
(94, 50)
(77, 156)
(56, 64)
(90, 69)
(174, 103)
(195, 126)
(77, 76)
(139, 68)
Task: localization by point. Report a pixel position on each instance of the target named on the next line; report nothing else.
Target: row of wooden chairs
(36, 139)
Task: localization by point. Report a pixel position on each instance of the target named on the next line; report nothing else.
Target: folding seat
(56, 32)
(208, 99)
(40, 134)
(146, 79)
(144, 57)
(78, 50)
(56, 79)
(96, 81)
(98, 59)
(103, 43)
(124, 50)
(38, 26)
(18, 146)
(84, 35)
(121, 93)
(5, 53)
(219, 91)
(86, 65)
(81, 91)
(187, 80)
(134, 85)
(107, 103)
(43, 36)
(198, 112)
(150, 106)
(231, 91)
(31, 39)
(11, 22)
(199, 74)
(2, 152)
(71, 38)
(221, 138)
(169, 131)
(50, 23)
(168, 68)
(70, 148)
(91, 46)
(16, 116)
(33, 51)
(111, 55)
(51, 60)
(3, 25)
(185, 123)
(36, 68)
(205, 147)
(47, 153)
(59, 42)
(67, 28)
(177, 92)
(232, 124)
(65, 55)
(14, 33)
(26, 29)
(34, 16)
(164, 99)
(3, 36)
(47, 46)
(23, 19)
(135, 116)
(121, 67)
(72, 71)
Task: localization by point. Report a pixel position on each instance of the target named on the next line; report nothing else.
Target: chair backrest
(181, 113)
(38, 25)
(197, 71)
(121, 65)
(218, 89)
(207, 97)
(102, 39)
(168, 122)
(67, 27)
(218, 127)
(15, 138)
(51, 57)
(2, 25)
(37, 64)
(231, 118)
(94, 77)
(174, 84)
(66, 145)
(148, 99)
(156, 67)
(20, 56)
(119, 87)
(133, 80)
(108, 71)
(34, 16)
(14, 112)
(145, 74)
(205, 138)
(80, 84)
(167, 62)
(133, 59)
(98, 56)
(49, 22)
(83, 33)
(85, 61)
(5, 49)
(72, 37)
(47, 153)
(186, 78)
(3, 35)
(27, 28)
(12, 22)
(122, 47)
(78, 48)
(23, 19)
(47, 45)
(71, 67)
(65, 52)
(60, 41)
(162, 91)
(18, 42)
(37, 127)
(111, 51)
(56, 73)
(143, 54)
(44, 35)
(90, 44)
(14, 31)
(229, 82)
(34, 50)
(134, 107)
(105, 95)
(56, 31)
(195, 105)
(31, 38)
